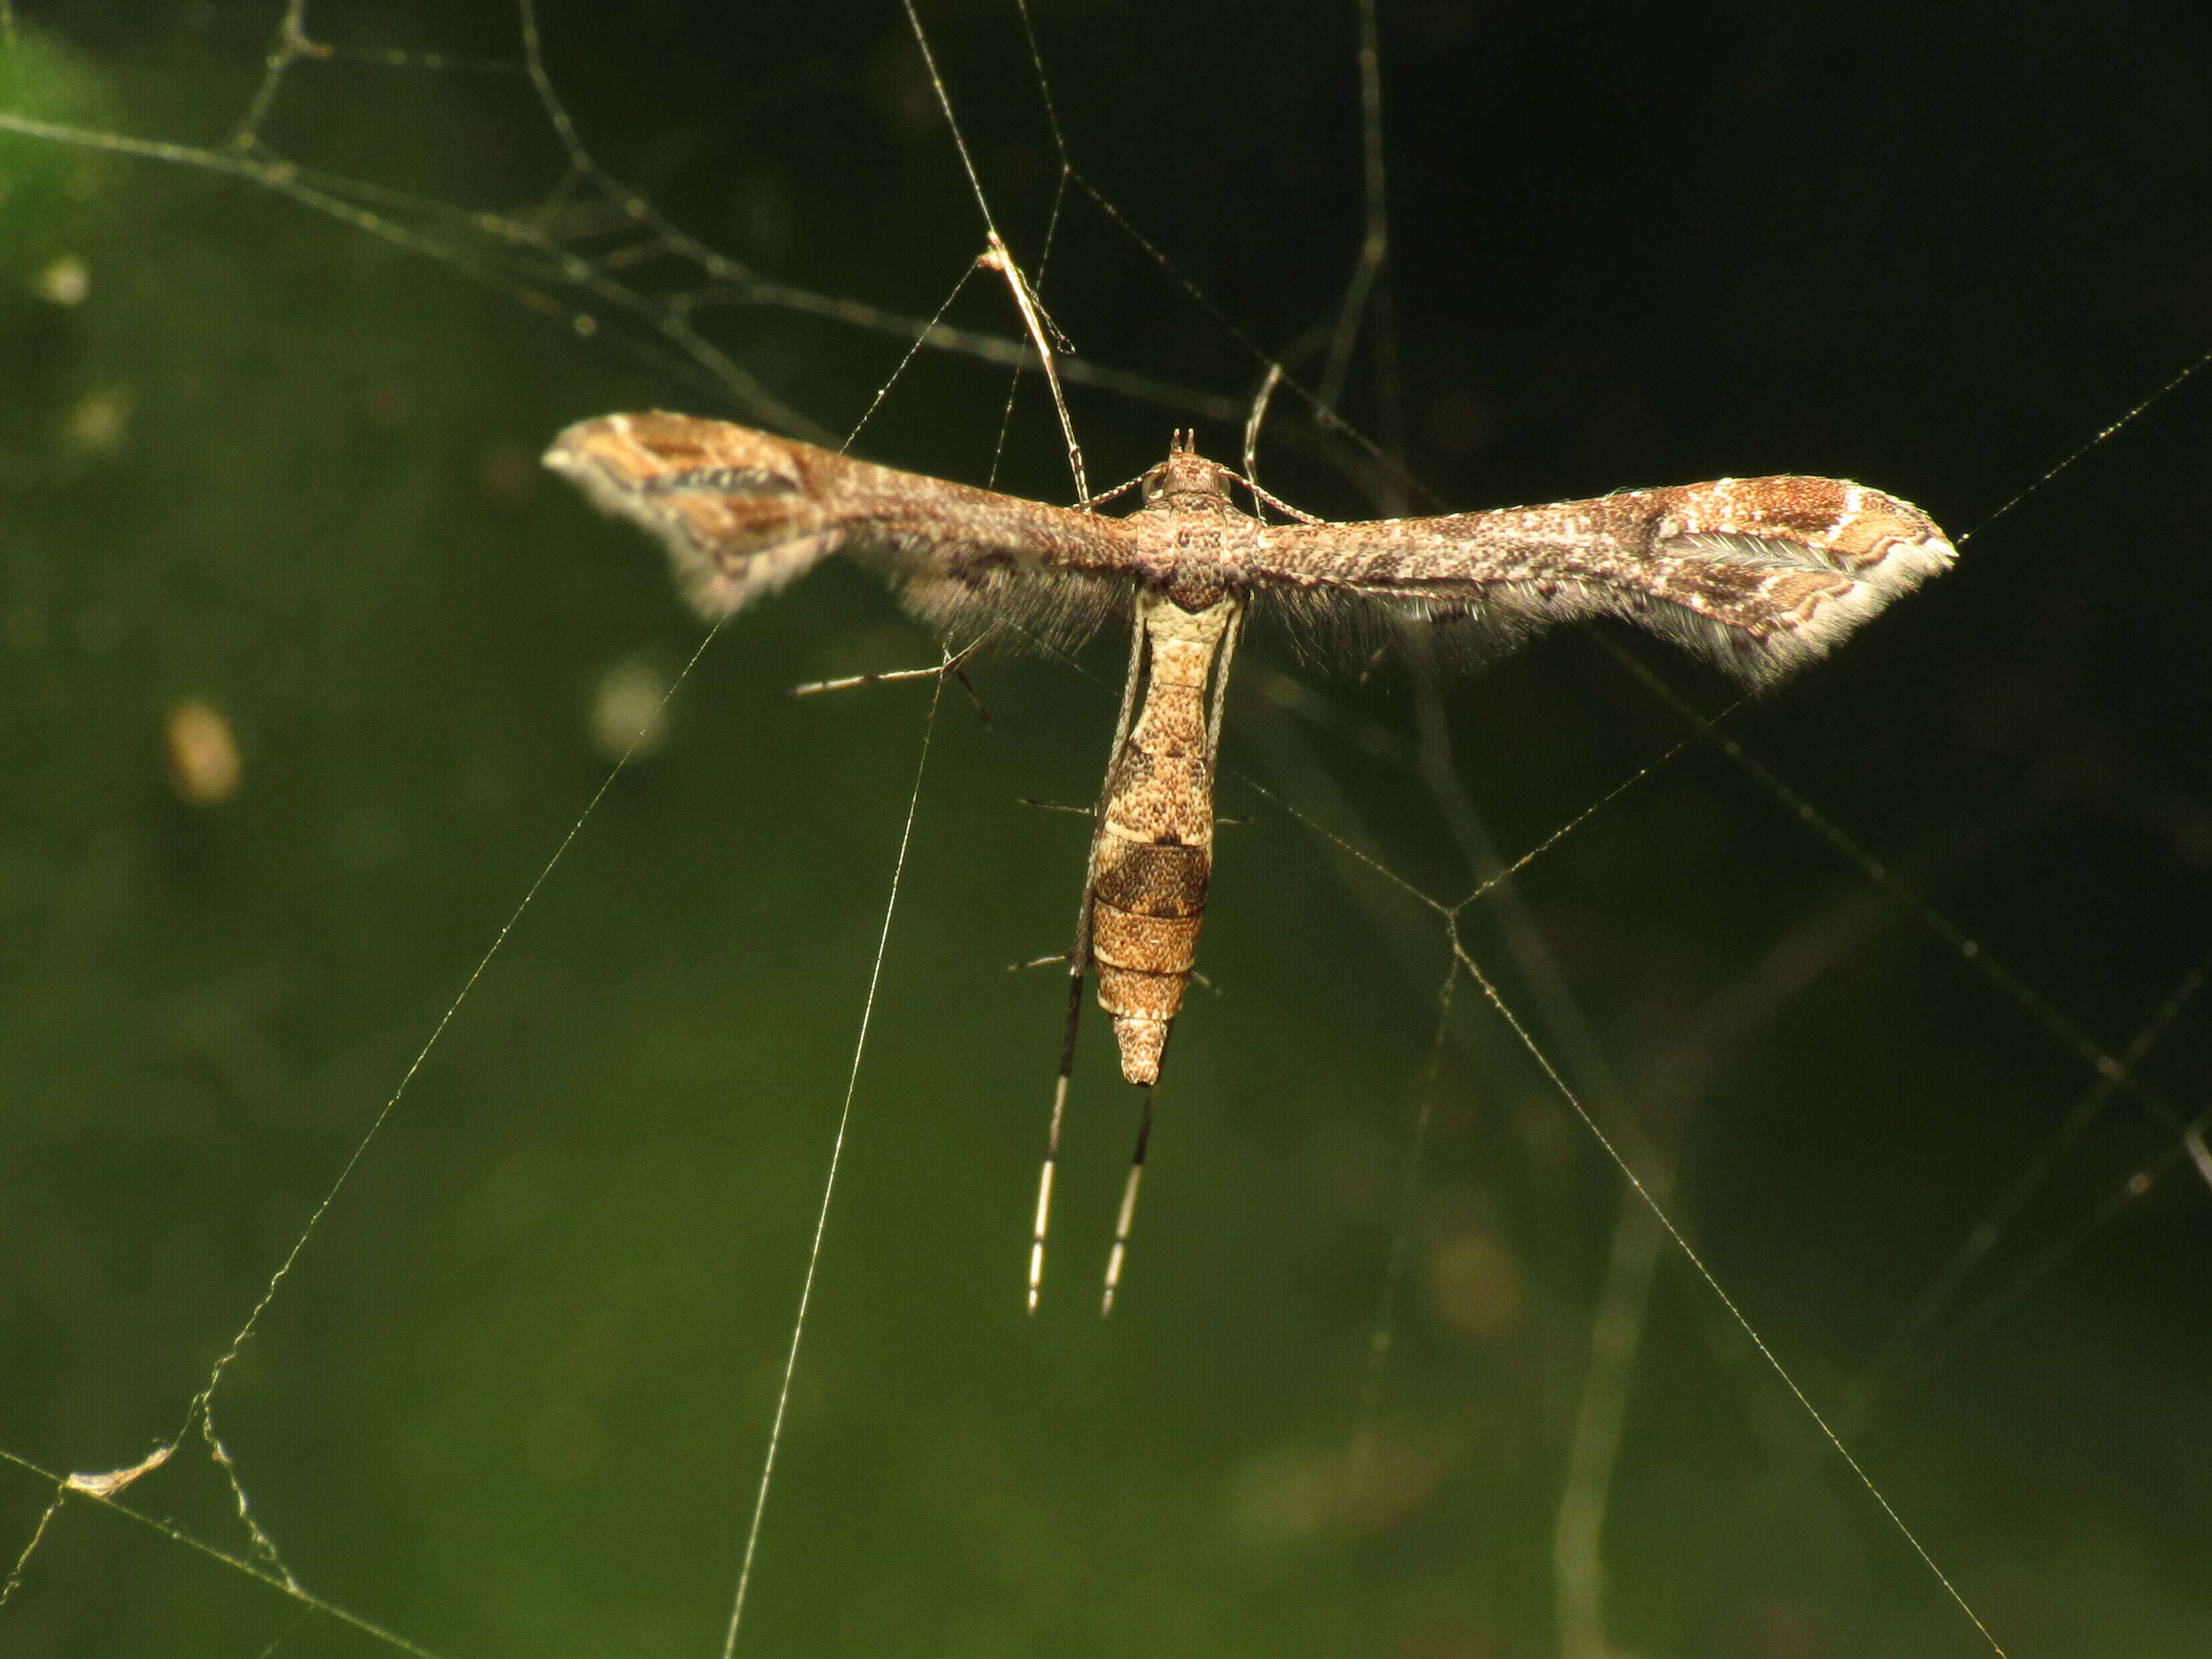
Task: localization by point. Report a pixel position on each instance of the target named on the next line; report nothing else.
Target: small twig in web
(829, 1185)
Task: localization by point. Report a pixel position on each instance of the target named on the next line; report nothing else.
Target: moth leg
(955, 666)
(1197, 977)
(1221, 688)
(1079, 965)
(975, 698)
(848, 681)
(1128, 1213)
(1059, 1113)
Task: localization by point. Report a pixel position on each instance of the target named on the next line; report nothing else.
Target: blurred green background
(512, 1397)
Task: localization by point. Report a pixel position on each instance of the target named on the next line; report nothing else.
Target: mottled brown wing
(745, 512)
(1759, 574)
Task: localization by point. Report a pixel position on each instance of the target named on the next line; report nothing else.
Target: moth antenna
(1104, 496)
(1128, 1214)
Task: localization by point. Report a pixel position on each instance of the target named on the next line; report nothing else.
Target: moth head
(1185, 473)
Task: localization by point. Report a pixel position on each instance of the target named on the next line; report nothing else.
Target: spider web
(529, 1332)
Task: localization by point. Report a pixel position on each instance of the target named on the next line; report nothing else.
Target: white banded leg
(1128, 1213)
(955, 666)
(1079, 964)
(1059, 1115)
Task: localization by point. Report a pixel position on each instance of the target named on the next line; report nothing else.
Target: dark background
(514, 1395)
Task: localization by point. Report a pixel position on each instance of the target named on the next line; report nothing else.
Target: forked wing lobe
(1760, 574)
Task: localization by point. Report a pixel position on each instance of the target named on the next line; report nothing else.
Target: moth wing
(745, 512)
(1759, 575)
